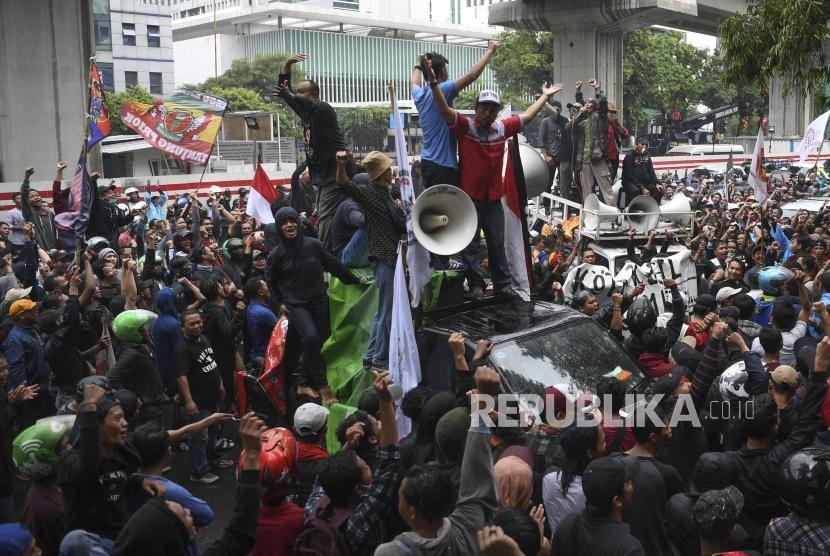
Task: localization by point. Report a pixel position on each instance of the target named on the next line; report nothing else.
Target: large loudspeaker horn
(537, 177)
(634, 213)
(599, 212)
(679, 204)
(444, 219)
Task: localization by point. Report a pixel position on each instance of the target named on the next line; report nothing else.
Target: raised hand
(295, 58)
(551, 90)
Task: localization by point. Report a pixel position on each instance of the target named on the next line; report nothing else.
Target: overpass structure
(588, 42)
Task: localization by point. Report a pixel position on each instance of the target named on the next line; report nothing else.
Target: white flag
(404, 364)
(757, 175)
(813, 137)
(417, 257)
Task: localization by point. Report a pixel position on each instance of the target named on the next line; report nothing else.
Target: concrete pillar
(43, 74)
(791, 114)
(588, 54)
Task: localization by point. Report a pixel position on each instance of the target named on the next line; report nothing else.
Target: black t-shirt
(653, 486)
(195, 360)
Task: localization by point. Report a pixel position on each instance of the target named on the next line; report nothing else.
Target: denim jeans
(378, 350)
(201, 450)
(491, 220)
(84, 543)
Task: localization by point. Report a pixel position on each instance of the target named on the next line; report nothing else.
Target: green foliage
(364, 128)
(260, 74)
(782, 38)
(115, 101)
(241, 99)
(522, 63)
(660, 72)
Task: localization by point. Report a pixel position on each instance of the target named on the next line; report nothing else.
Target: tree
(241, 99)
(660, 73)
(777, 38)
(115, 101)
(522, 63)
(259, 75)
(365, 129)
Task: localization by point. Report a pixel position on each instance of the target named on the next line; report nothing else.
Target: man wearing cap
(551, 137)
(383, 235)
(132, 197)
(438, 162)
(323, 139)
(638, 177)
(481, 143)
(240, 202)
(156, 201)
(599, 529)
(27, 363)
(310, 430)
(105, 217)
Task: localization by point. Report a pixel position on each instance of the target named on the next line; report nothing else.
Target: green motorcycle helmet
(35, 450)
(127, 325)
(230, 245)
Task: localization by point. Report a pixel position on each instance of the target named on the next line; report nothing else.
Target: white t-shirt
(787, 356)
(558, 505)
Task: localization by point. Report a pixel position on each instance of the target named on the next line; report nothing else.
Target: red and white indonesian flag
(514, 243)
(757, 175)
(813, 137)
(262, 194)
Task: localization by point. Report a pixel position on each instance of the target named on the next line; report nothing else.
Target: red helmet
(277, 462)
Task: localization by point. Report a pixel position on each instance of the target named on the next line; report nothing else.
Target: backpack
(321, 535)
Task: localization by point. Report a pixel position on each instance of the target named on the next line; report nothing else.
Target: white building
(354, 47)
(134, 44)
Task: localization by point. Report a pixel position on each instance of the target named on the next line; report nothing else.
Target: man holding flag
(481, 145)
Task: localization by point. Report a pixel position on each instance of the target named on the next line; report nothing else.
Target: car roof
(812, 204)
(504, 320)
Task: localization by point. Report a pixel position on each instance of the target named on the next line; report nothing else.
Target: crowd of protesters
(125, 347)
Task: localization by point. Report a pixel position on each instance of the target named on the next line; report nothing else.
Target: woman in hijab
(514, 478)
(450, 439)
(562, 490)
(423, 450)
(295, 282)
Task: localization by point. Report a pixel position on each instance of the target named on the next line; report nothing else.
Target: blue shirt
(200, 510)
(24, 354)
(439, 142)
(261, 321)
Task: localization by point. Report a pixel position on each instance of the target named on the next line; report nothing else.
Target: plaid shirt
(794, 534)
(544, 443)
(364, 529)
(751, 329)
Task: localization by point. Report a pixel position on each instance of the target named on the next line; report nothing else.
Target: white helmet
(130, 190)
(732, 383)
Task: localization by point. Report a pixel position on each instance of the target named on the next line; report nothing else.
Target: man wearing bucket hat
(383, 230)
(481, 143)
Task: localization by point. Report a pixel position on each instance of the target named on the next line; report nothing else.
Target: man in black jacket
(759, 461)
(638, 177)
(323, 140)
(105, 217)
(96, 474)
(551, 139)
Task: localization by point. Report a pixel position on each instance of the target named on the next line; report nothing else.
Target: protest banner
(599, 281)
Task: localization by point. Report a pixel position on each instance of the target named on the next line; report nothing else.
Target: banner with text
(183, 125)
(599, 281)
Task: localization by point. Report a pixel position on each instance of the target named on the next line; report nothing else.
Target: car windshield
(579, 353)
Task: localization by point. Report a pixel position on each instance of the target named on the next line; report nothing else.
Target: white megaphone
(595, 212)
(678, 210)
(444, 219)
(634, 213)
(537, 175)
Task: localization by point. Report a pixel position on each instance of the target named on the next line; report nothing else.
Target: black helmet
(641, 315)
(805, 489)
